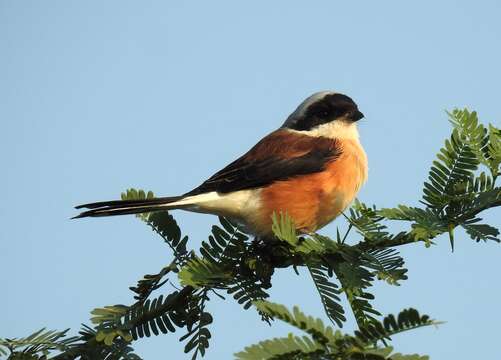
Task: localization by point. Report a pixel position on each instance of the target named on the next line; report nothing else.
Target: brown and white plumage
(312, 168)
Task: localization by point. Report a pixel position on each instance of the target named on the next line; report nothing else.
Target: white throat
(338, 129)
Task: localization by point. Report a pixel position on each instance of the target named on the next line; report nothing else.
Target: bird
(311, 168)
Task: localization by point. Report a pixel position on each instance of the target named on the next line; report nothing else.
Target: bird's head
(322, 112)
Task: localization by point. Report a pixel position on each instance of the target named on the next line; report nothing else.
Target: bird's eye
(324, 113)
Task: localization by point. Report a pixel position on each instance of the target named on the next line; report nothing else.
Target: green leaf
(161, 222)
(406, 320)
(367, 222)
(409, 357)
(108, 314)
(329, 294)
(426, 224)
(281, 348)
(199, 272)
(387, 263)
(200, 336)
(284, 229)
(455, 167)
(315, 327)
(40, 342)
(325, 344)
(482, 232)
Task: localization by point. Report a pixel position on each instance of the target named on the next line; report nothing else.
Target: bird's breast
(314, 200)
(343, 179)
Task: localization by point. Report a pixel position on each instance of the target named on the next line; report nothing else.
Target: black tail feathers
(123, 207)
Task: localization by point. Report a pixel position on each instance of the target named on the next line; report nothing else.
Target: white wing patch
(235, 204)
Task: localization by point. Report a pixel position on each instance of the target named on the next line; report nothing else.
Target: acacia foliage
(461, 184)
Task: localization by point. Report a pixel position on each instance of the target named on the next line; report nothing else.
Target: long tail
(123, 207)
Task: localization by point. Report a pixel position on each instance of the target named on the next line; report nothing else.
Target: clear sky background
(99, 96)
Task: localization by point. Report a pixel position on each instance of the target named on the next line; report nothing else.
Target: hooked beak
(356, 115)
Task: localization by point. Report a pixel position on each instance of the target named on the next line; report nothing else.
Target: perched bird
(310, 168)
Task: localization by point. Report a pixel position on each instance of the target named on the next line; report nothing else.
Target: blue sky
(96, 97)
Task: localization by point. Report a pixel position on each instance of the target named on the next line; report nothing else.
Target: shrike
(310, 168)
